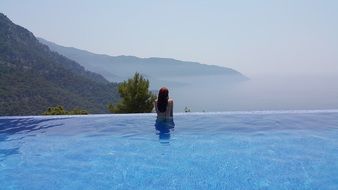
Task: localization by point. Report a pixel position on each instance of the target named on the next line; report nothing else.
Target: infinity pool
(233, 150)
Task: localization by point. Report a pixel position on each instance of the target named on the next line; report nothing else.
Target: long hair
(162, 99)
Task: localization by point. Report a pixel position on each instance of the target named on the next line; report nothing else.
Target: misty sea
(225, 150)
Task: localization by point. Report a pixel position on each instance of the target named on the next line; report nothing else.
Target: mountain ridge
(119, 68)
(44, 41)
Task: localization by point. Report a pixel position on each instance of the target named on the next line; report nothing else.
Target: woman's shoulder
(169, 100)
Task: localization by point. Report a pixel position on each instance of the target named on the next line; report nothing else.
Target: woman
(164, 109)
(164, 105)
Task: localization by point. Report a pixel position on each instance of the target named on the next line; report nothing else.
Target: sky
(280, 37)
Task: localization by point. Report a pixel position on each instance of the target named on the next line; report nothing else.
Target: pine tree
(136, 97)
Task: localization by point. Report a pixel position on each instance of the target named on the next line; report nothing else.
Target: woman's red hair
(162, 99)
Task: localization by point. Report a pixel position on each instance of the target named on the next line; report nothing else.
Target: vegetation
(32, 77)
(59, 110)
(186, 109)
(136, 97)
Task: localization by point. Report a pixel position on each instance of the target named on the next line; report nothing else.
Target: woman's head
(162, 99)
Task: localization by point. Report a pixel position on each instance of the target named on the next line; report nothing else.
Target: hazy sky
(254, 37)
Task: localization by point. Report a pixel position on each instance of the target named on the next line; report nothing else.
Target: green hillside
(33, 78)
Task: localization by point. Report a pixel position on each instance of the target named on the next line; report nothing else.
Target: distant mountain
(158, 70)
(33, 78)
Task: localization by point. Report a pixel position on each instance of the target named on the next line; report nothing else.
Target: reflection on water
(163, 129)
(14, 131)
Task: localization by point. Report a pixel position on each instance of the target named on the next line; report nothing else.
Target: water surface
(229, 150)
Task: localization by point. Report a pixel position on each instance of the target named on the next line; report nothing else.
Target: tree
(136, 97)
(59, 110)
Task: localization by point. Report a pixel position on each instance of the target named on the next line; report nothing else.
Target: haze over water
(258, 93)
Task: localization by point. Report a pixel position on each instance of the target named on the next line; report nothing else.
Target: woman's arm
(172, 108)
(155, 106)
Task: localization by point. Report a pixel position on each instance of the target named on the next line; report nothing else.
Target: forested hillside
(32, 77)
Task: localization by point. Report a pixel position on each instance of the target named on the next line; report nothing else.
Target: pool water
(231, 150)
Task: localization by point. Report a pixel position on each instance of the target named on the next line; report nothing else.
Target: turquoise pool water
(233, 150)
